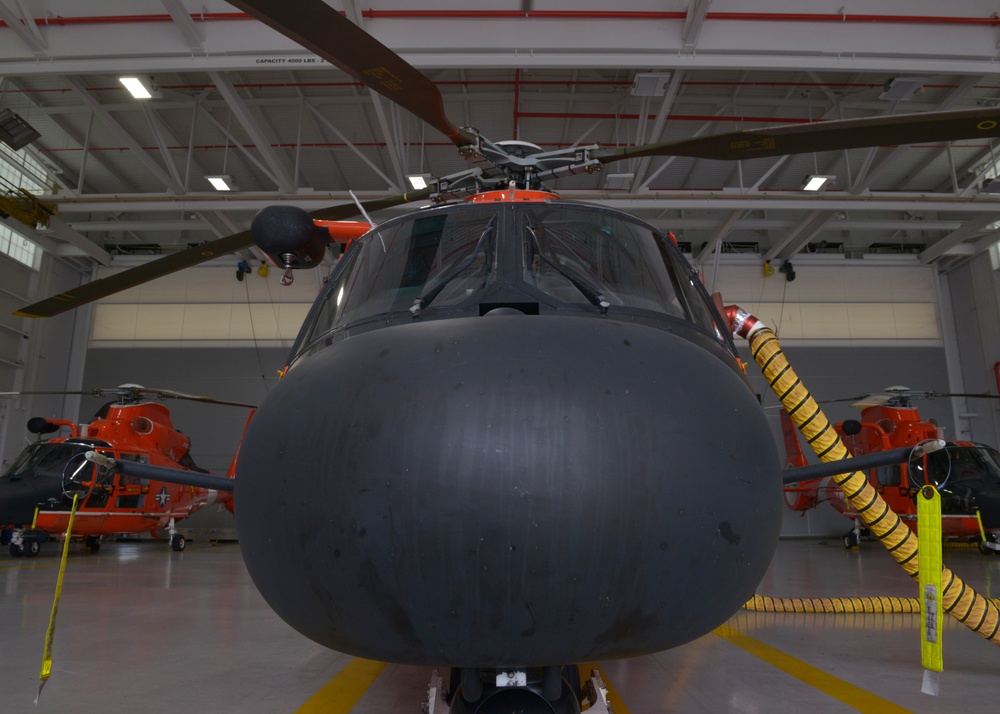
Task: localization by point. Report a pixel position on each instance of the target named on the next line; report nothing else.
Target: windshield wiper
(424, 300)
(594, 297)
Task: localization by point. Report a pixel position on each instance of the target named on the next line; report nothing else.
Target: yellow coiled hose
(961, 601)
(880, 604)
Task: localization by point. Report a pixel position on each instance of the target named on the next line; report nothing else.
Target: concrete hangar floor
(142, 628)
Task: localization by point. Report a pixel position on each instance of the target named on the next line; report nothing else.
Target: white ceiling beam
(183, 224)
(803, 225)
(78, 240)
(23, 25)
(141, 154)
(696, 12)
(680, 200)
(642, 168)
(675, 223)
(973, 226)
(800, 241)
(360, 154)
(864, 182)
(718, 235)
(157, 130)
(43, 241)
(392, 140)
(193, 35)
(254, 131)
(591, 58)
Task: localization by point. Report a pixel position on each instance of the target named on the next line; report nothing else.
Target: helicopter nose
(988, 502)
(18, 498)
(511, 489)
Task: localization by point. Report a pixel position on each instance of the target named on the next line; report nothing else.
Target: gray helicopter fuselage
(510, 435)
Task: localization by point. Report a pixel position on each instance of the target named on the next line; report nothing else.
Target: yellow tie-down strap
(931, 565)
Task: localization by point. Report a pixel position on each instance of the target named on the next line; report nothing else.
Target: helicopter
(514, 432)
(36, 492)
(966, 474)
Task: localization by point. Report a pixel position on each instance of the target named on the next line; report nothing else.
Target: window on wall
(12, 178)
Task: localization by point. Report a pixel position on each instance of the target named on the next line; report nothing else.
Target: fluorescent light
(650, 85)
(15, 132)
(618, 181)
(817, 182)
(419, 181)
(223, 182)
(140, 87)
(901, 89)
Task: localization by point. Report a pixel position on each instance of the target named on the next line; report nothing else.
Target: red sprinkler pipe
(625, 15)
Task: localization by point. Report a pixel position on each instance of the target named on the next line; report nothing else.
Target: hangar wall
(973, 290)
(242, 374)
(847, 331)
(43, 355)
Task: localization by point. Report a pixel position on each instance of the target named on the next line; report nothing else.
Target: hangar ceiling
(237, 98)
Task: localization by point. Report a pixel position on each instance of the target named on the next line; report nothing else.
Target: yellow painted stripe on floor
(340, 694)
(852, 696)
(617, 705)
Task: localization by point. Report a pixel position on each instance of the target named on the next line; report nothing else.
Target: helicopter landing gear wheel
(984, 548)
(850, 540)
(32, 548)
(93, 543)
(178, 542)
(16, 550)
(541, 692)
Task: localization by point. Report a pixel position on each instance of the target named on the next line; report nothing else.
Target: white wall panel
(205, 307)
(838, 303)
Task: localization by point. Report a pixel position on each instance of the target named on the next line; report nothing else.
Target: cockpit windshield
(396, 264)
(960, 464)
(569, 251)
(44, 459)
(547, 255)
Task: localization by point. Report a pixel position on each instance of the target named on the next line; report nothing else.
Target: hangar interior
(887, 276)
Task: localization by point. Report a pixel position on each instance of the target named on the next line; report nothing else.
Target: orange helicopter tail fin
(227, 498)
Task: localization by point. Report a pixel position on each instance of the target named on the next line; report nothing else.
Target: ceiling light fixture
(901, 89)
(223, 182)
(15, 132)
(141, 87)
(650, 85)
(419, 181)
(816, 182)
(618, 181)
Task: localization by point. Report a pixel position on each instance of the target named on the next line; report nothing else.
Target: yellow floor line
(837, 688)
(340, 694)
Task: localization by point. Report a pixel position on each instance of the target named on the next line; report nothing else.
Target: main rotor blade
(140, 274)
(170, 394)
(134, 392)
(892, 130)
(324, 31)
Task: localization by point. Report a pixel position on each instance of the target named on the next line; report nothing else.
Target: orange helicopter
(36, 492)
(966, 474)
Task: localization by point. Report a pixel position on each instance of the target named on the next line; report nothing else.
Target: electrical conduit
(961, 601)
